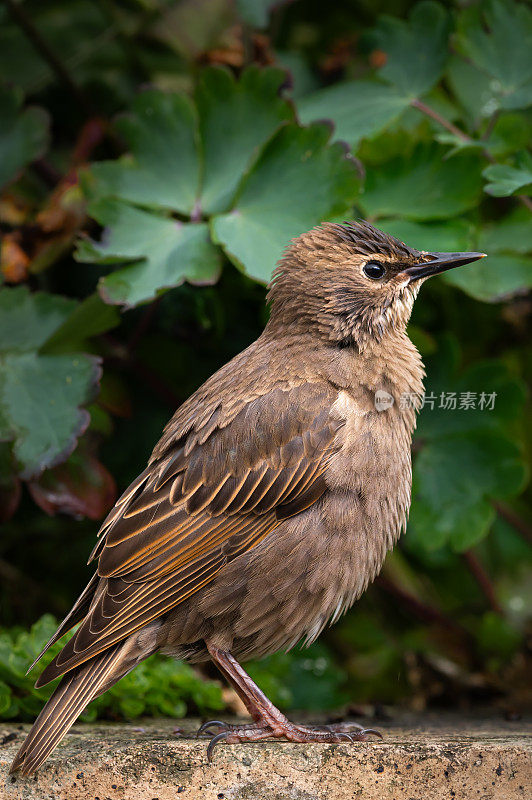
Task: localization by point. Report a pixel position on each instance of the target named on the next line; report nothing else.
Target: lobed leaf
(471, 453)
(40, 395)
(358, 109)
(28, 320)
(497, 37)
(454, 479)
(164, 252)
(504, 180)
(89, 318)
(163, 169)
(415, 49)
(81, 487)
(453, 235)
(496, 278)
(473, 89)
(40, 401)
(513, 233)
(236, 118)
(298, 181)
(424, 187)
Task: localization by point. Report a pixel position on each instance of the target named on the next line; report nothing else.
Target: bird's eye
(374, 270)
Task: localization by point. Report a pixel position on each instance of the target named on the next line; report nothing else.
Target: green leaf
(158, 686)
(473, 388)
(40, 396)
(473, 90)
(28, 320)
(513, 233)
(80, 39)
(511, 132)
(190, 29)
(89, 318)
(163, 170)
(504, 180)
(165, 253)
(358, 109)
(454, 235)
(298, 181)
(424, 187)
(236, 118)
(497, 37)
(496, 278)
(23, 134)
(454, 479)
(471, 451)
(416, 49)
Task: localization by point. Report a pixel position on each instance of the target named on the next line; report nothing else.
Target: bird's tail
(75, 691)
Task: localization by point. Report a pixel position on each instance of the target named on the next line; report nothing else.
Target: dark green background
(433, 102)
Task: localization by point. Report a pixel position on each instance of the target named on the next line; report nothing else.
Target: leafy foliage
(24, 134)
(416, 49)
(156, 688)
(487, 34)
(41, 393)
(237, 139)
(136, 242)
(456, 505)
(504, 179)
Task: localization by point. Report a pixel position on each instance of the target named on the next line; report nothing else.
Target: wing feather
(199, 505)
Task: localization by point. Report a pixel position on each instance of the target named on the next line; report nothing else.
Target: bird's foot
(254, 732)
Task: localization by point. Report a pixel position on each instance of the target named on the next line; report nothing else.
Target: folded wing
(208, 495)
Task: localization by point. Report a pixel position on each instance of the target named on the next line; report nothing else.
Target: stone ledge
(424, 757)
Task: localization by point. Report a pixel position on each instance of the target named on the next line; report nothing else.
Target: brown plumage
(272, 497)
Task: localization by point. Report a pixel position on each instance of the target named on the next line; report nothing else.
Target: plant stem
(430, 112)
(526, 201)
(418, 609)
(143, 325)
(45, 51)
(464, 137)
(483, 580)
(513, 519)
(490, 126)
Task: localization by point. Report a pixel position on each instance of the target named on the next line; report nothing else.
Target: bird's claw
(372, 732)
(206, 725)
(232, 734)
(214, 741)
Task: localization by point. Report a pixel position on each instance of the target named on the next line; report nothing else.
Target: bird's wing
(202, 502)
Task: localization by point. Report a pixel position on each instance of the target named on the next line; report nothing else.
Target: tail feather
(75, 691)
(78, 612)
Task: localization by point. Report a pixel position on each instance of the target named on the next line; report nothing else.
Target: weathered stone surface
(420, 758)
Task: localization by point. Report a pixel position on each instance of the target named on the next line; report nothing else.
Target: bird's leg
(269, 722)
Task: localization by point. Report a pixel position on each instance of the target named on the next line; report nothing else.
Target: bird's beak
(440, 262)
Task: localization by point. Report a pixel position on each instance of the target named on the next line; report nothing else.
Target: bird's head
(351, 283)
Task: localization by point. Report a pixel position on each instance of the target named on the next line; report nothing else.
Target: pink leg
(269, 722)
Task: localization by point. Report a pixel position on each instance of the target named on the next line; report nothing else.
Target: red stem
(483, 580)
(430, 112)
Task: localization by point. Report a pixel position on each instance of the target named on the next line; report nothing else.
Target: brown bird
(270, 502)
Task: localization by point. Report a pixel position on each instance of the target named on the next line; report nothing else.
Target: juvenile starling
(273, 496)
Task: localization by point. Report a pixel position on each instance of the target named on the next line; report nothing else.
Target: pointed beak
(441, 262)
